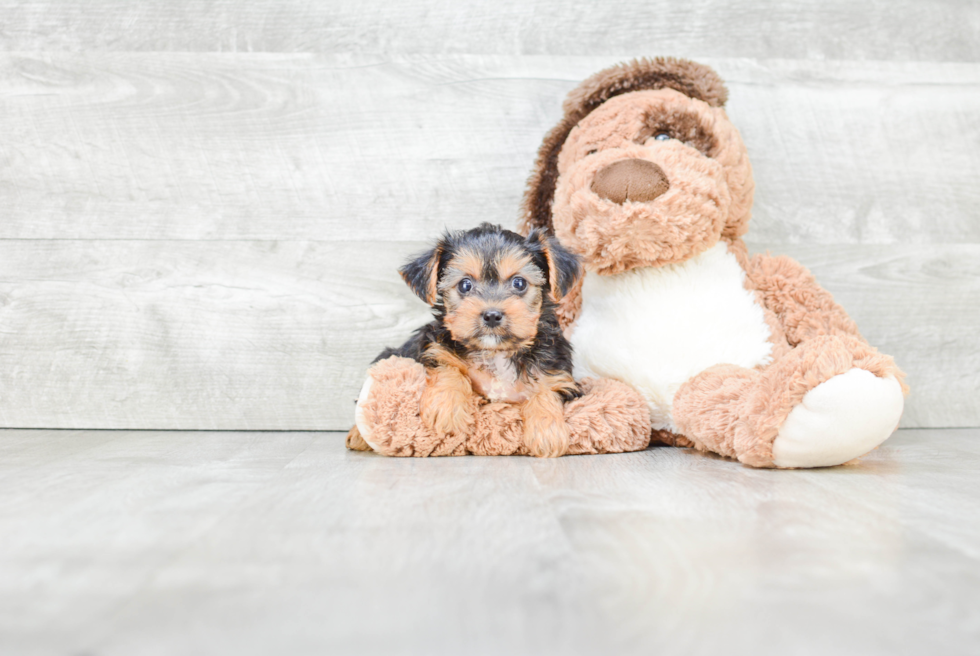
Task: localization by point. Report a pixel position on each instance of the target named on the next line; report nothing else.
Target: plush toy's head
(644, 169)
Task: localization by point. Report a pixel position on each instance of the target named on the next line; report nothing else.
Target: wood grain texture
(255, 543)
(213, 335)
(271, 146)
(837, 29)
(278, 335)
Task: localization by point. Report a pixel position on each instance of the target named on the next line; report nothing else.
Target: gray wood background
(204, 203)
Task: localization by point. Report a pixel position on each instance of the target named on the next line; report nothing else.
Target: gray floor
(120, 542)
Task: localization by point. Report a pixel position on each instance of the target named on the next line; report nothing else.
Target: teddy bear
(647, 180)
(679, 336)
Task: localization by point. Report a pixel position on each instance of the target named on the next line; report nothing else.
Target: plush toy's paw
(611, 417)
(355, 442)
(841, 419)
(546, 435)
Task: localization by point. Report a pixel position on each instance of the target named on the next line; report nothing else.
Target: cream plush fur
(659, 326)
(832, 423)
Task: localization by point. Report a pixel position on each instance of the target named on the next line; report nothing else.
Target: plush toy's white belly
(656, 327)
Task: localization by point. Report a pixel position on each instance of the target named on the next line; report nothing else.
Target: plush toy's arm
(609, 417)
(804, 308)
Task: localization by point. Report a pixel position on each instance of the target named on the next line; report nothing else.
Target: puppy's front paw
(445, 405)
(445, 417)
(546, 434)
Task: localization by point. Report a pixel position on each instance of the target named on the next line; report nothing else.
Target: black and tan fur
(492, 260)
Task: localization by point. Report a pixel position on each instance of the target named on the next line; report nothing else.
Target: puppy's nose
(492, 318)
(630, 179)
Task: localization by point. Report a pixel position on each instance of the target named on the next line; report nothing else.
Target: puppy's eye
(591, 152)
(465, 286)
(662, 136)
(518, 283)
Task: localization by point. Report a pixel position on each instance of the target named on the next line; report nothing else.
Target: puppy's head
(490, 287)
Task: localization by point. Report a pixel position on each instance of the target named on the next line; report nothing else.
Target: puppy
(493, 295)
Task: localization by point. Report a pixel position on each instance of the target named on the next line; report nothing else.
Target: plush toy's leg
(609, 417)
(355, 442)
(828, 401)
(388, 416)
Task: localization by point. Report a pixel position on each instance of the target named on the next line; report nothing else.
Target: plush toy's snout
(635, 180)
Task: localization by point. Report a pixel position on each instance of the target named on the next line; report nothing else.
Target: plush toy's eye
(465, 285)
(518, 283)
(662, 136)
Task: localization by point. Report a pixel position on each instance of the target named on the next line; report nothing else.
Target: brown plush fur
(610, 417)
(393, 410)
(612, 120)
(738, 412)
(708, 197)
(355, 442)
(689, 78)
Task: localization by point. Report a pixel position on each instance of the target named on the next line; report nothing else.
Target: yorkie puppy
(495, 333)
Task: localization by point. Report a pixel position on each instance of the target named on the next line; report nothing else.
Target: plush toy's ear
(564, 269)
(422, 274)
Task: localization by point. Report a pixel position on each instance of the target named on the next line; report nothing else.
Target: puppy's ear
(564, 269)
(422, 274)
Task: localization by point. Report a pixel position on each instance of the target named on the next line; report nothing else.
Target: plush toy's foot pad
(839, 420)
(355, 442)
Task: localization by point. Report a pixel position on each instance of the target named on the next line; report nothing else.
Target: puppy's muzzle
(635, 180)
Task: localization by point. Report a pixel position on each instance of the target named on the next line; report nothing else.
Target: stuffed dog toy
(647, 180)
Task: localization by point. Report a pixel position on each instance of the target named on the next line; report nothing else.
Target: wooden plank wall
(204, 203)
